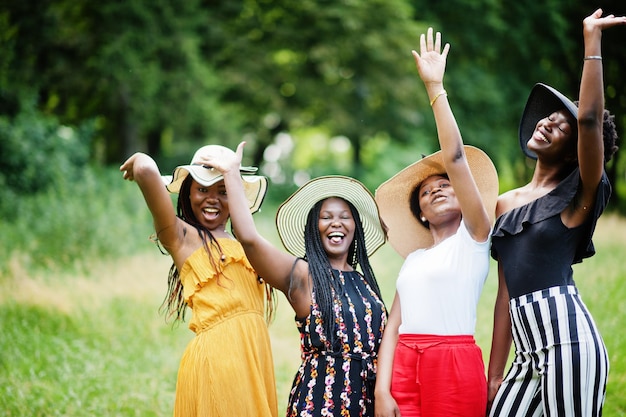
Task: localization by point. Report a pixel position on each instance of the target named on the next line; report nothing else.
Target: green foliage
(112, 361)
(37, 154)
(55, 209)
(93, 216)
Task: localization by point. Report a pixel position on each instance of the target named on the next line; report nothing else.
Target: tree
(345, 66)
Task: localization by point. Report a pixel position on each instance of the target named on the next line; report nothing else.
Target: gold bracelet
(441, 93)
(593, 57)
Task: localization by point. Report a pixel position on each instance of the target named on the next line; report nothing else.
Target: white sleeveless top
(439, 287)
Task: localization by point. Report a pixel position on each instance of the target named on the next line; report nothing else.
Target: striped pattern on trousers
(561, 364)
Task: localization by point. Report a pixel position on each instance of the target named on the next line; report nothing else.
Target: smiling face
(437, 198)
(336, 226)
(210, 205)
(553, 136)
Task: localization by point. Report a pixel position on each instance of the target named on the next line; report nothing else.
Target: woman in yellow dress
(227, 369)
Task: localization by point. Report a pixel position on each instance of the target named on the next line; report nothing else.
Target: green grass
(92, 343)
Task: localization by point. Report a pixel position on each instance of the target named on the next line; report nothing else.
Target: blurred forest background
(314, 87)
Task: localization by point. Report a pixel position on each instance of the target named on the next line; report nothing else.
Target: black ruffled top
(535, 248)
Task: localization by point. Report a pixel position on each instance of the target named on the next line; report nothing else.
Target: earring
(423, 219)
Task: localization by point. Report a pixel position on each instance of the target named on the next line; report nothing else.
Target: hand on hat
(431, 61)
(225, 162)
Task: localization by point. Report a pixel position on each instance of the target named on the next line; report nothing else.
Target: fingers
(446, 49)
(239, 151)
(429, 39)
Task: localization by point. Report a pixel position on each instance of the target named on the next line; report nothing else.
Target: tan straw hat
(255, 186)
(292, 215)
(406, 233)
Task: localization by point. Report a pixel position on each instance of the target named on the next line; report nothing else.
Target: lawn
(93, 344)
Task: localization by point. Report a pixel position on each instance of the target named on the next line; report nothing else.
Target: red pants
(439, 376)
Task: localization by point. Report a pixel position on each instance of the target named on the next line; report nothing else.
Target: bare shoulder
(514, 198)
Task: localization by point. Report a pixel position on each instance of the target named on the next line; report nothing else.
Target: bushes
(55, 209)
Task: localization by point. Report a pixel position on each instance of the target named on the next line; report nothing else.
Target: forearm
(448, 131)
(500, 344)
(501, 337)
(387, 349)
(240, 215)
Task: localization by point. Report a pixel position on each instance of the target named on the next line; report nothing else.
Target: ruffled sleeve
(515, 221)
(199, 269)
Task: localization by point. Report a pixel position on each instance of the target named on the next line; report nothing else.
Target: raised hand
(595, 21)
(431, 60)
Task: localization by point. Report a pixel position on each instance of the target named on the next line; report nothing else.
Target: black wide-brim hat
(542, 102)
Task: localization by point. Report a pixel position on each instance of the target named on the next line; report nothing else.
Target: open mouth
(336, 237)
(541, 137)
(211, 212)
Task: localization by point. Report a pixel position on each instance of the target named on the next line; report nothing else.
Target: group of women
(419, 358)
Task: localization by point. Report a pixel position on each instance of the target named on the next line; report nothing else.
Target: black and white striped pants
(561, 364)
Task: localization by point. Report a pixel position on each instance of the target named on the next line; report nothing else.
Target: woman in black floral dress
(329, 226)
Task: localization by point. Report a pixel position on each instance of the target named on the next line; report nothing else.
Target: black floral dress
(339, 381)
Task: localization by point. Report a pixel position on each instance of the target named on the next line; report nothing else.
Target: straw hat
(542, 102)
(255, 186)
(406, 233)
(292, 214)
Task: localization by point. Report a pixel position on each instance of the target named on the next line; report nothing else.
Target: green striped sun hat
(292, 214)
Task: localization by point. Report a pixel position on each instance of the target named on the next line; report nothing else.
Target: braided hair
(174, 304)
(320, 270)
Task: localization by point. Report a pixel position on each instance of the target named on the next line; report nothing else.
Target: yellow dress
(227, 369)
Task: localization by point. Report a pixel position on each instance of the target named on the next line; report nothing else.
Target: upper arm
(158, 200)
(283, 271)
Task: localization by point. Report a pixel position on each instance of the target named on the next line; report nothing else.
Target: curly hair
(609, 134)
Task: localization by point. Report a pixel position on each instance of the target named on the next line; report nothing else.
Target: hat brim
(292, 214)
(543, 100)
(406, 234)
(255, 186)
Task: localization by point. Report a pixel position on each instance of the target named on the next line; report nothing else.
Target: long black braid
(174, 303)
(325, 286)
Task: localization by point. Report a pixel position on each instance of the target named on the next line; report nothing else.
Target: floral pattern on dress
(339, 381)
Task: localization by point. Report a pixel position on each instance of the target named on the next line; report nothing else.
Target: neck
(444, 230)
(548, 175)
(340, 264)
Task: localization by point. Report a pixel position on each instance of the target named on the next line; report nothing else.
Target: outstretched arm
(142, 169)
(431, 65)
(591, 109)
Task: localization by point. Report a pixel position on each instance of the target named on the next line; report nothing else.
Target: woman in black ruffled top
(561, 364)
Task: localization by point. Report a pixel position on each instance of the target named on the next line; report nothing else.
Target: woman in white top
(439, 211)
